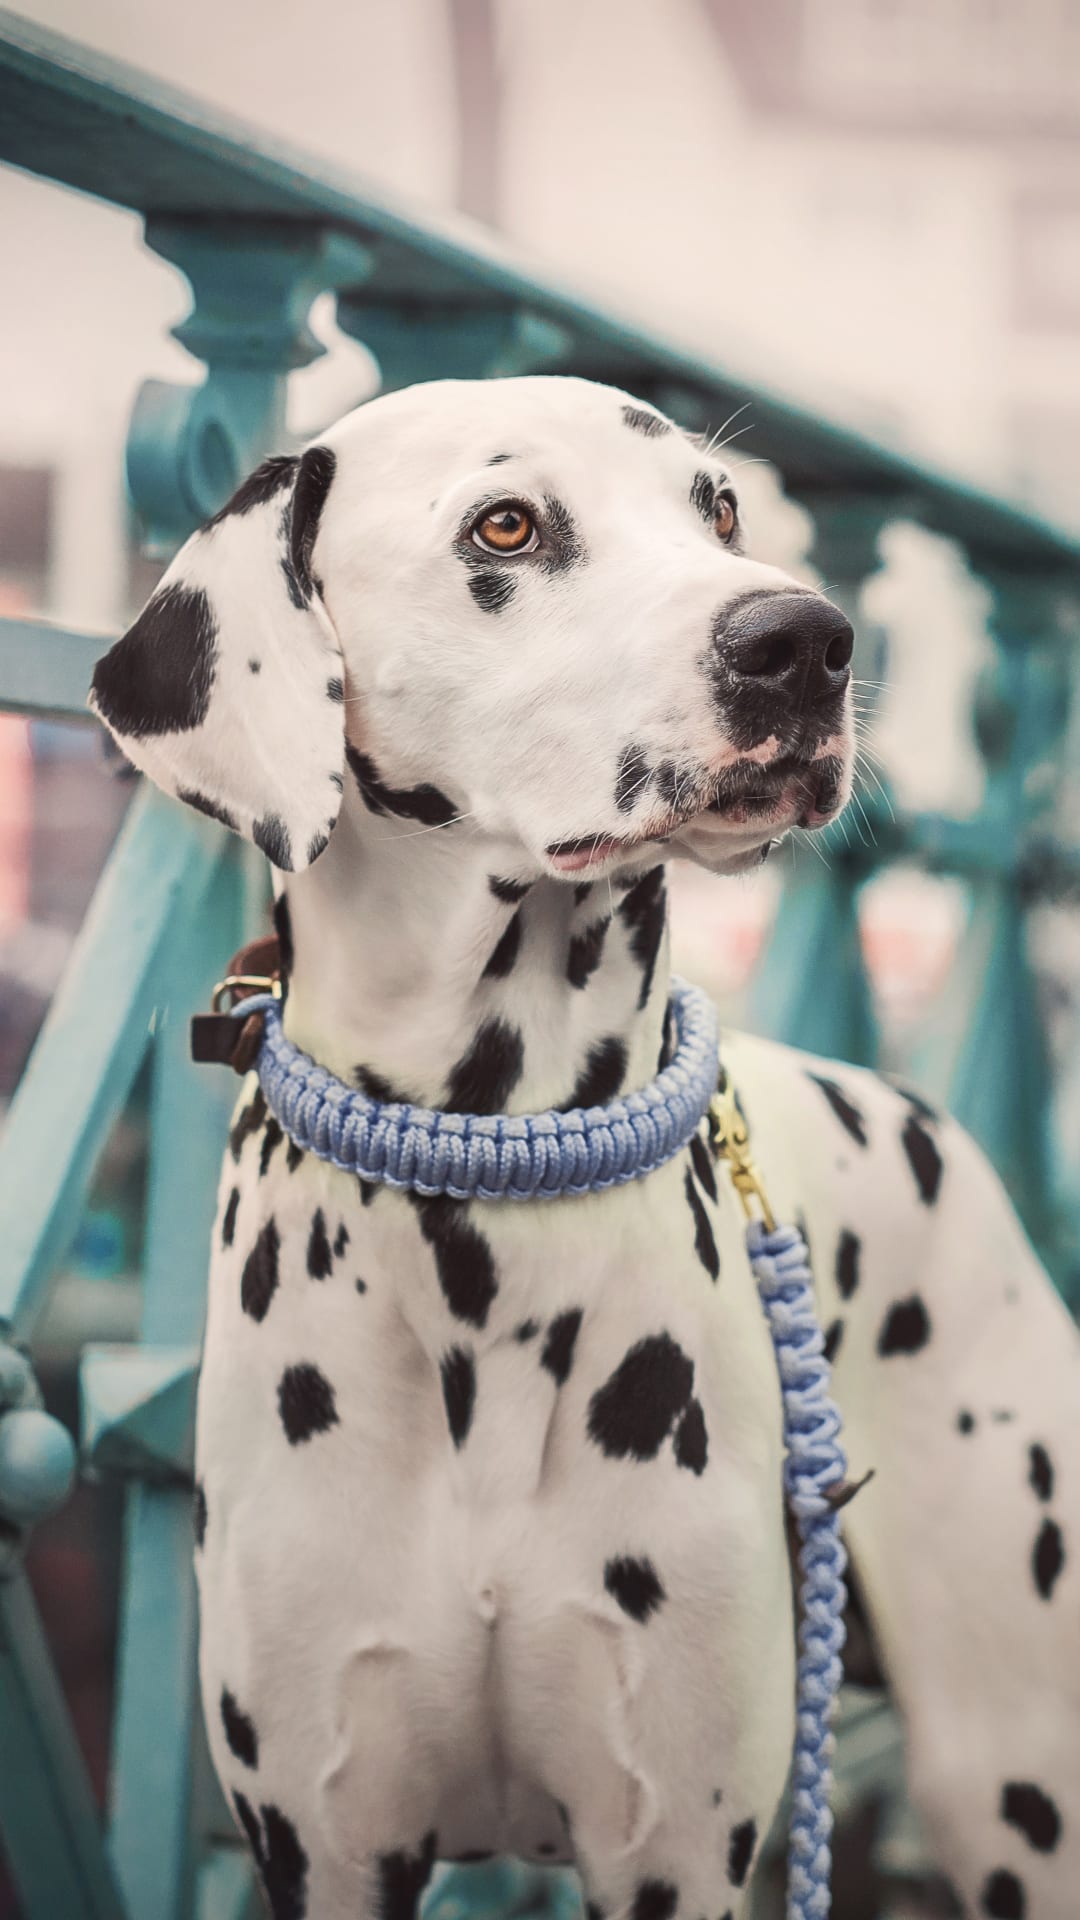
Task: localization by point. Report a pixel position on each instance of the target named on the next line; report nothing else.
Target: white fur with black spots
(491, 1540)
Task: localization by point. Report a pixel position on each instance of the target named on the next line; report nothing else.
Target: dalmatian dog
(489, 1516)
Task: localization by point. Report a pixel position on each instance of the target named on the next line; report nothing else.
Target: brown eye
(725, 516)
(506, 529)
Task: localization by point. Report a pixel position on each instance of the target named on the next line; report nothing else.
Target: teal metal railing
(258, 233)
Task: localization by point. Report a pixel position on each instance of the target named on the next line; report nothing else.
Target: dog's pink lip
(573, 856)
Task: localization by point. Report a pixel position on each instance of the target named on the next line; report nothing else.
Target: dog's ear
(228, 690)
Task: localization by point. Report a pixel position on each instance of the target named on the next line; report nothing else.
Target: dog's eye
(726, 517)
(506, 529)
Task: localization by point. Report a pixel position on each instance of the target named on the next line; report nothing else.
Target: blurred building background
(870, 205)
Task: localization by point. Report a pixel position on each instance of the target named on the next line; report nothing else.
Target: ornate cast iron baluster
(253, 283)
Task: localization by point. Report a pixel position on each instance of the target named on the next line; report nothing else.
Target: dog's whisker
(416, 832)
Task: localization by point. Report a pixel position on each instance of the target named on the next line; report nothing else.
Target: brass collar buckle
(222, 1039)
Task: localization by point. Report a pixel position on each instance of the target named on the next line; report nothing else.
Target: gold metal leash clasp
(731, 1142)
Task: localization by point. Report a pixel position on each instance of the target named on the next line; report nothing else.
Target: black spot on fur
(319, 1261)
(670, 1040)
(283, 928)
(243, 1741)
(631, 777)
(691, 1439)
(335, 688)
(458, 1372)
(293, 1156)
(258, 1282)
(508, 891)
(671, 783)
(1032, 1813)
(1003, 1896)
(848, 1115)
(254, 666)
(834, 1335)
(159, 677)
(1041, 1473)
(704, 1241)
(228, 1224)
(272, 1139)
(199, 1513)
(202, 804)
(602, 1075)
(528, 1330)
(915, 1100)
(582, 891)
(300, 523)
(965, 1422)
(281, 1860)
(643, 912)
(585, 953)
(923, 1157)
(271, 836)
(497, 459)
(741, 1851)
(906, 1328)
(848, 1250)
(703, 496)
(640, 420)
(635, 1584)
(631, 1415)
(317, 846)
(402, 1879)
(506, 952)
(558, 1349)
(368, 1190)
(424, 803)
(654, 1899)
(1048, 1558)
(463, 1258)
(378, 1088)
(563, 547)
(492, 589)
(703, 1166)
(341, 1240)
(306, 1402)
(485, 1076)
(271, 477)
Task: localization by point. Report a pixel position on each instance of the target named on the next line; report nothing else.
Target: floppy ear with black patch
(229, 689)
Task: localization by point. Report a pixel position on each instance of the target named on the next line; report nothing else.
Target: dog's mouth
(790, 792)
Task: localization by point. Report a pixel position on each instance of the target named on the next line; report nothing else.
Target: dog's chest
(360, 1330)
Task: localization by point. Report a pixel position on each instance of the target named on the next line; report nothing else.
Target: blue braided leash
(815, 1463)
(539, 1156)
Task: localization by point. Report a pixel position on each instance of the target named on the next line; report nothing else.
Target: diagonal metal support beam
(49, 1822)
(92, 1042)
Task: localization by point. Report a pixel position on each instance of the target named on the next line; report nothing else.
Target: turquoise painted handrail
(259, 231)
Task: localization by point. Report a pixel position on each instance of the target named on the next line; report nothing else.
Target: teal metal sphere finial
(37, 1465)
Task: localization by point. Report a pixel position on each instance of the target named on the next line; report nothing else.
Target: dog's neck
(421, 969)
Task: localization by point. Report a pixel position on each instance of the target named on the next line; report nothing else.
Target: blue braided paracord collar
(470, 1156)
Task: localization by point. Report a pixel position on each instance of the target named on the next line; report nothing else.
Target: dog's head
(521, 603)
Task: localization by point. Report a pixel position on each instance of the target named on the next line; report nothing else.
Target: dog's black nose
(794, 646)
